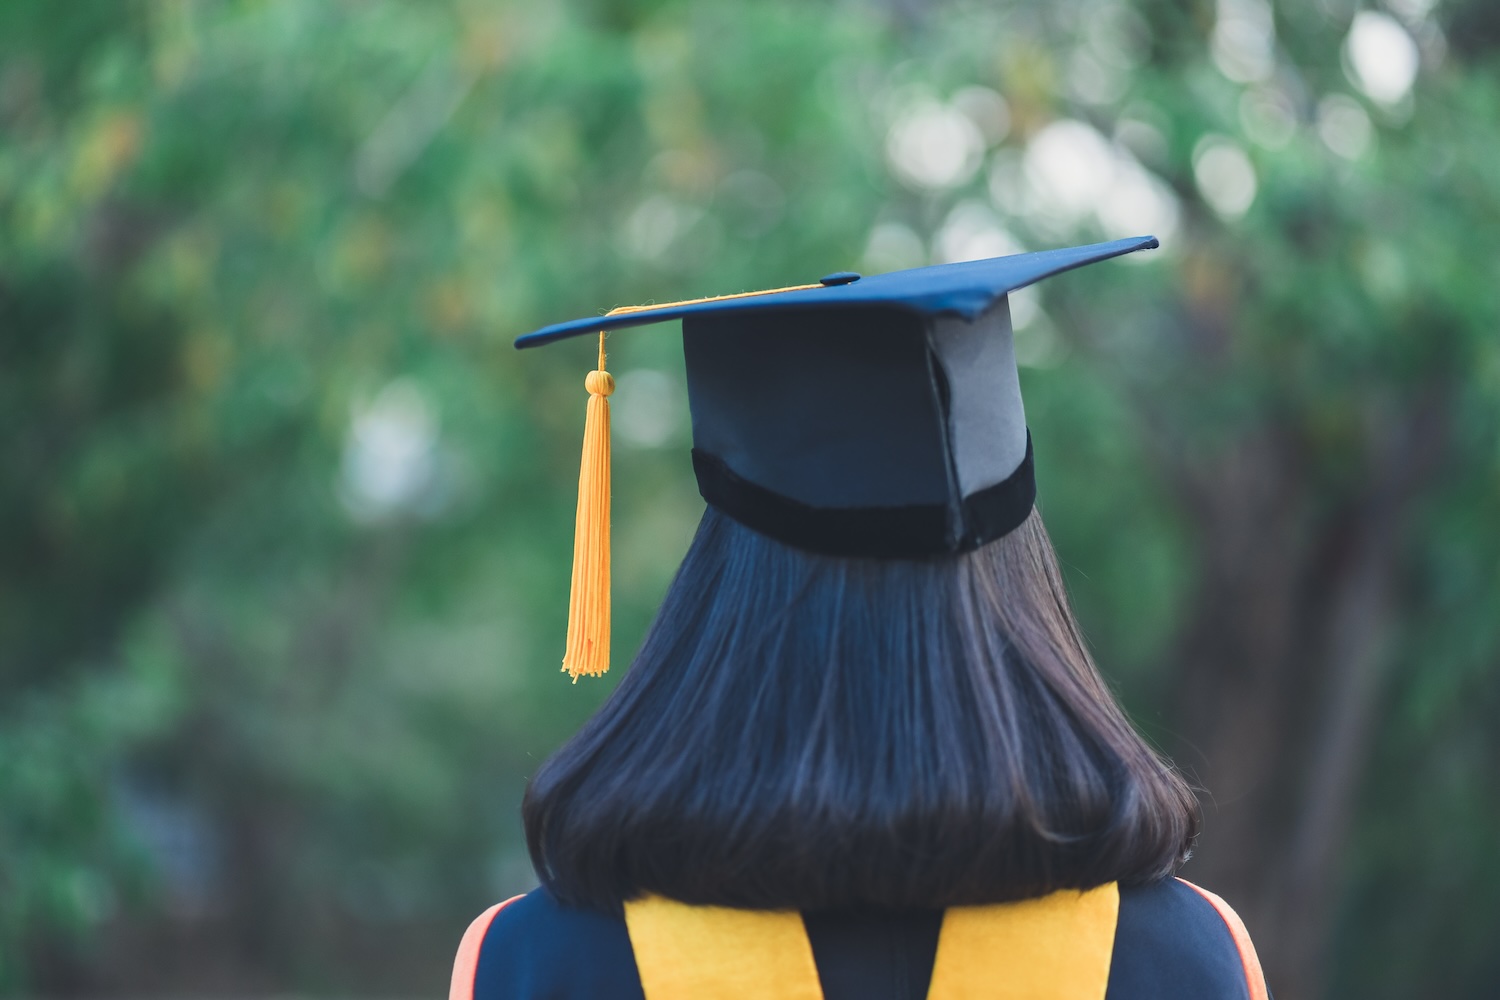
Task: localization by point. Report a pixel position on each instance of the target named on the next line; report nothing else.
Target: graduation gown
(1168, 940)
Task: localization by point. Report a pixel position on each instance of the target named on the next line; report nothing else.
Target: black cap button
(839, 278)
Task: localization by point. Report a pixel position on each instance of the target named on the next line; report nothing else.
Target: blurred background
(285, 522)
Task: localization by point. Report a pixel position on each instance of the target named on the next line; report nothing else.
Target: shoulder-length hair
(804, 732)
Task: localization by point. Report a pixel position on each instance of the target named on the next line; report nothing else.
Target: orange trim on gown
(466, 963)
(1255, 979)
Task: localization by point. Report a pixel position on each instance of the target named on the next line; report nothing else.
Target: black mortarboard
(871, 416)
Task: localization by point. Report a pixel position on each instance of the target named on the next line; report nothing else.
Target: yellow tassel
(588, 608)
(588, 605)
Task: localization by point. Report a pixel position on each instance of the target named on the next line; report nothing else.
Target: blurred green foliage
(285, 522)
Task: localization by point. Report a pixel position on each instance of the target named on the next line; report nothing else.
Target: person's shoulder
(1176, 940)
(532, 946)
(537, 917)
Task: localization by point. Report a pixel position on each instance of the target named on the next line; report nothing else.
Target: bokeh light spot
(973, 231)
(1225, 176)
(1382, 58)
(1243, 43)
(647, 408)
(1344, 126)
(934, 146)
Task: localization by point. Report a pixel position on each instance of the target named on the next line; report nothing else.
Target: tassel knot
(600, 383)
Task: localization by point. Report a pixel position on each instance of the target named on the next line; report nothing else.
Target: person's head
(803, 731)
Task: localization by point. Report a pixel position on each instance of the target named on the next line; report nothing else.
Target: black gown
(1171, 943)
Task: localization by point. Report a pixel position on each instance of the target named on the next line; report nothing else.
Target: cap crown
(863, 432)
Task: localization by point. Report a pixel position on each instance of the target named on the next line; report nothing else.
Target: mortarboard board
(874, 416)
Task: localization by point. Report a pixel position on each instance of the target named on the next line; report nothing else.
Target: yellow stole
(1057, 947)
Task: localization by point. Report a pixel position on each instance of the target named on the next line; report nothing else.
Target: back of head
(865, 687)
(808, 731)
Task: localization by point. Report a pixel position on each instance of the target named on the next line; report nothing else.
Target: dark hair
(805, 732)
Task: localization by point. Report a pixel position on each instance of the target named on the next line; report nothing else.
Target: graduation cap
(875, 417)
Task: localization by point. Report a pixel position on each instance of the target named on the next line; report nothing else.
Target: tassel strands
(588, 607)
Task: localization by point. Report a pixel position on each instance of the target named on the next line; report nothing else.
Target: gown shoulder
(1175, 940)
(534, 948)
